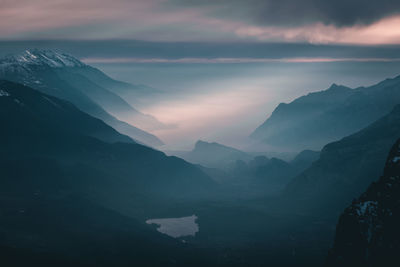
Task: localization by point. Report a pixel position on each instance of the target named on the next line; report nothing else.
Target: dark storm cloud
(313, 21)
(295, 12)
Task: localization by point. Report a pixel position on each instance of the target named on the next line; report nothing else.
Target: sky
(314, 21)
(222, 65)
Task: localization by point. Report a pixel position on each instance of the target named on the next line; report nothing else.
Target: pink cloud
(153, 20)
(385, 31)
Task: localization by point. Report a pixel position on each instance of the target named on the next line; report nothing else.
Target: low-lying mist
(226, 102)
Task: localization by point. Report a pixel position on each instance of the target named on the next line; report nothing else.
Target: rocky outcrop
(368, 231)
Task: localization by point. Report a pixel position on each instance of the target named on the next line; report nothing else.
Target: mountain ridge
(41, 108)
(214, 154)
(73, 191)
(367, 231)
(47, 79)
(346, 167)
(313, 120)
(56, 129)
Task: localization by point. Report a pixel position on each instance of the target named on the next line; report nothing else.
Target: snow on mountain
(43, 57)
(4, 93)
(367, 233)
(65, 77)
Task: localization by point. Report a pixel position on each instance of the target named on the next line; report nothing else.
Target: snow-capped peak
(45, 57)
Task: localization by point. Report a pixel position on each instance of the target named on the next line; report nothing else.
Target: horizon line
(239, 60)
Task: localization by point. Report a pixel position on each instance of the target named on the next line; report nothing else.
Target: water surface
(176, 227)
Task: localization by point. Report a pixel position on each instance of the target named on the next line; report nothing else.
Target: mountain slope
(42, 126)
(39, 228)
(261, 176)
(251, 176)
(214, 155)
(304, 159)
(316, 119)
(346, 167)
(63, 190)
(368, 231)
(100, 88)
(135, 94)
(268, 175)
(39, 110)
(43, 70)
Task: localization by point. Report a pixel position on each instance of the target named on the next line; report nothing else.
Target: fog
(226, 102)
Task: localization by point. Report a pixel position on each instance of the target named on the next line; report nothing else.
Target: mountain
(214, 155)
(134, 94)
(304, 159)
(100, 87)
(263, 176)
(252, 175)
(368, 230)
(59, 75)
(74, 191)
(273, 173)
(42, 229)
(311, 121)
(29, 112)
(38, 125)
(258, 177)
(345, 168)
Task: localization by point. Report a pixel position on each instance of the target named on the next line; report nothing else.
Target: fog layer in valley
(226, 102)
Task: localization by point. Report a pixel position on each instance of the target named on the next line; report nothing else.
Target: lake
(176, 227)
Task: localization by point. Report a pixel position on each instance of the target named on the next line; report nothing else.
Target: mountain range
(214, 155)
(66, 77)
(313, 120)
(71, 186)
(252, 175)
(42, 125)
(345, 168)
(77, 184)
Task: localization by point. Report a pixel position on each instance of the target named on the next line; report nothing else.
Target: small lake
(176, 227)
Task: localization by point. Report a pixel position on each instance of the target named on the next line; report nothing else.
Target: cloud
(89, 19)
(385, 31)
(315, 21)
(294, 12)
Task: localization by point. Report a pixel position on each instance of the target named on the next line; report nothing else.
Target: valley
(77, 180)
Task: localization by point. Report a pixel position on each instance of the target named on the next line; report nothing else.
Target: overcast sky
(314, 21)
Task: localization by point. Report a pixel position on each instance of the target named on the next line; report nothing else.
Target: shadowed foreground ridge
(368, 232)
(65, 176)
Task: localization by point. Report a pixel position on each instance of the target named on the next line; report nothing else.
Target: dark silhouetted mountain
(275, 173)
(304, 159)
(28, 112)
(42, 125)
(214, 155)
(368, 232)
(258, 177)
(39, 228)
(255, 175)
(345, 168)
(271, 171)
(59, 75)
(64, 183)
(311, 121)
